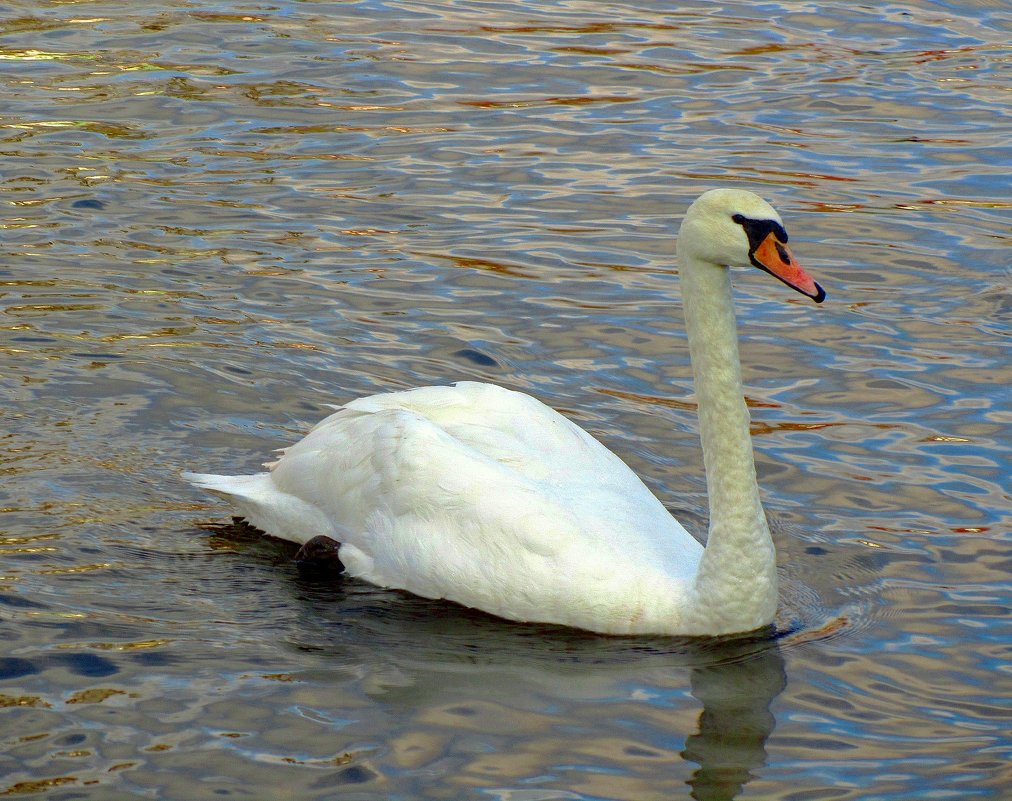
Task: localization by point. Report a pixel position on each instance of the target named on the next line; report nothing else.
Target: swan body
(487, 497)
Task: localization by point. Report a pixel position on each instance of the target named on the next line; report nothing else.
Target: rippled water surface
(219, 217)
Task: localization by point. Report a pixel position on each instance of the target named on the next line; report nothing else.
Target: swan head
(737, 228)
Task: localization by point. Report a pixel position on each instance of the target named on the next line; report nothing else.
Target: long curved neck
(739, 561)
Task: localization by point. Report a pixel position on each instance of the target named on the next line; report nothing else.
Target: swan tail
(231, 487)
(260, 502)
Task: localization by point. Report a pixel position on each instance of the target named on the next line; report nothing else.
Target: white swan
(489, 498)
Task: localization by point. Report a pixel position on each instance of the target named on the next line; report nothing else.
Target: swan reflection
(735, 722)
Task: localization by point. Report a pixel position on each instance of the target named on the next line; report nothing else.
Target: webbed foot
(319, 556)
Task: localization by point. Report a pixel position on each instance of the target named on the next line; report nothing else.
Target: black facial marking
(758, 230)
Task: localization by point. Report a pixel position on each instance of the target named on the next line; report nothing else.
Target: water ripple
(217, 219)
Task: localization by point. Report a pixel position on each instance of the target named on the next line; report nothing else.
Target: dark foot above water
(319, 557)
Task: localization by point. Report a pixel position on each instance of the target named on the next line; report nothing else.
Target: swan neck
(739, 548)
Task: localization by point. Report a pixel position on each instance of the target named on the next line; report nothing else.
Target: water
(219, 217)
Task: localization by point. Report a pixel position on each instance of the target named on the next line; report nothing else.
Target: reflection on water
(216, 220)
(735, 722)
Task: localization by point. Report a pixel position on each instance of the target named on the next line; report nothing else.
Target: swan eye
(758, 230)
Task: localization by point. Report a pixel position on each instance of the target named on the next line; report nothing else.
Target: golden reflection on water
(219, 222)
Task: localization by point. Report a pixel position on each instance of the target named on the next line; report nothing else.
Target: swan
(489, 498)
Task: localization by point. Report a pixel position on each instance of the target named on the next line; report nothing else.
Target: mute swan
(489, 498)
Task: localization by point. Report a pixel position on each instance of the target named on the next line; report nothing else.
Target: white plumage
(489, 498)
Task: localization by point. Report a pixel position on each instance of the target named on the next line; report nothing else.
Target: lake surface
(219, 217)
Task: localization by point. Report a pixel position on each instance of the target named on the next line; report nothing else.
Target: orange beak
(776, 258)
